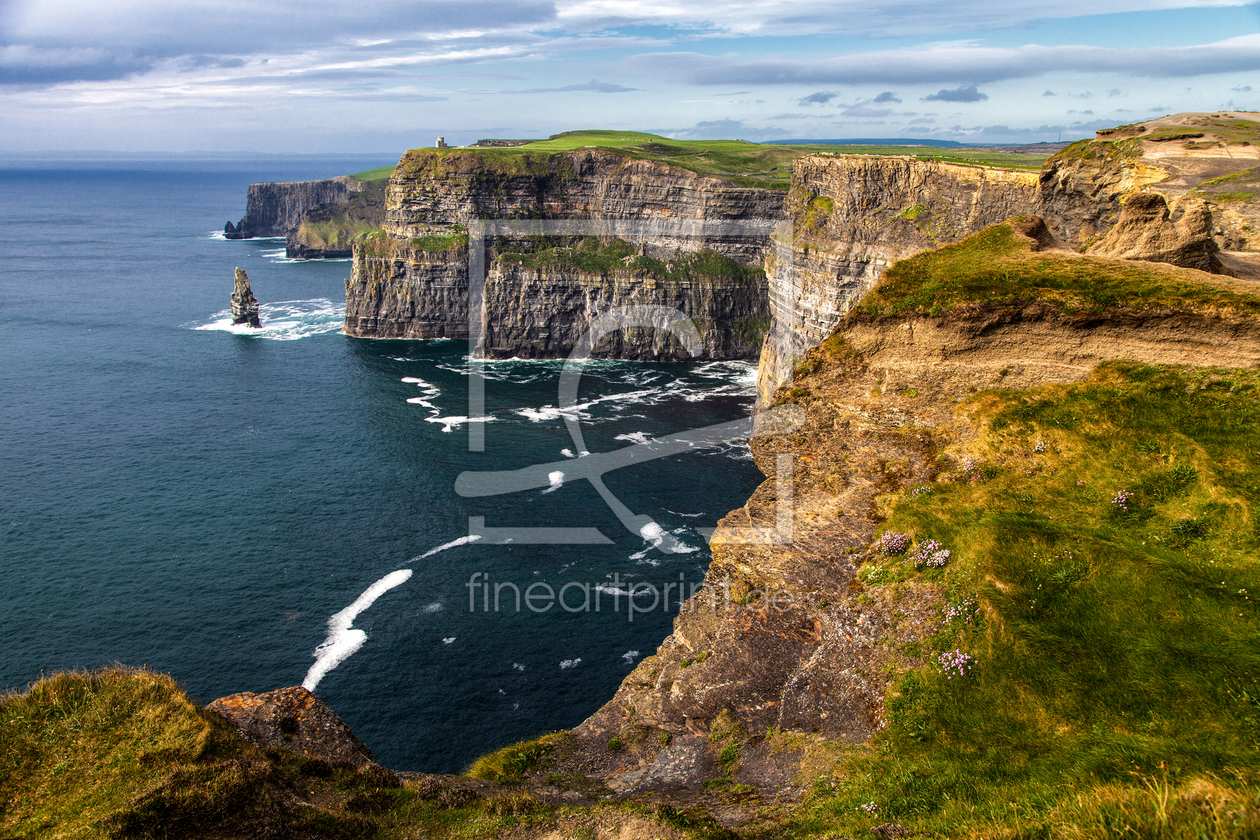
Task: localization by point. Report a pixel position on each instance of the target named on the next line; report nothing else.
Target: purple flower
(955, 663)
(890, 543)
(1121, 501)
(965, 609)
(930, 553)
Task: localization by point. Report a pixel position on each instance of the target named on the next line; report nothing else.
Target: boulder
(295, 720)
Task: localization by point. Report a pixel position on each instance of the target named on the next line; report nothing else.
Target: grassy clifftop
(1096, 666)
(1004, 265)
(746, 164)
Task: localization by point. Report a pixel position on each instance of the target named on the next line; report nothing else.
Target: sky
(335, 77)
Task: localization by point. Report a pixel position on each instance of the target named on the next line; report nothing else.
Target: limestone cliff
(274, 209)
(413, 281)
(785, 635)
(329, 230)
(848, 217)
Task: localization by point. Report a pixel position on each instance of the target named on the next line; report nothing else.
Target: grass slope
(1097, 667)
(747, 164)
(998, 266)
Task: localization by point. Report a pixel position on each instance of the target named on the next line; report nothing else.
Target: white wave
(568, 453)
(517, 666)
(630, 656)
(283, 321)
(556, 480)
(684, 515)
(415, 380)
(436, 606)
(343, 638)
(579, 410)
(635, 437)
(448, 640)
(431, 392)
(454, 422)
(570, 663)
(217, 234)
(452, 544)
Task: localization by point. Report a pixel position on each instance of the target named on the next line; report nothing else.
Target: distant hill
(867, 141)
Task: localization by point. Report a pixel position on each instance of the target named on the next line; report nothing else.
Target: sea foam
(343, 638)
(284, 321)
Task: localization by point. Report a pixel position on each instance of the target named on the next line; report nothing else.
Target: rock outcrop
(295, 720)
(849, 217)
(413, 281)
(244, 304)
(1147, 230)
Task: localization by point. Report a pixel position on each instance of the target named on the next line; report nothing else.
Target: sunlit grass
(1115, 651)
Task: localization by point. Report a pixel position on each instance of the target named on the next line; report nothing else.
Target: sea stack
(244, 304)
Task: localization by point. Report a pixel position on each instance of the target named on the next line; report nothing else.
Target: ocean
(248, 511)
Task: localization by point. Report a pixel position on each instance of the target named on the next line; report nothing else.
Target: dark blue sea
(219, 505)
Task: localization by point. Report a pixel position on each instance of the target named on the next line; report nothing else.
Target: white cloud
(967, 63)
(813, 17)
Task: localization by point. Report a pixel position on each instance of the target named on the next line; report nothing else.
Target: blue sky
(321, 76)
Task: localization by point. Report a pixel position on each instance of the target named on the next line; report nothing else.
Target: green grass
(1116, 653)
(124, 753)
(514, 762)
(997, 266)
(618, 256)
(743, 163)
(381, 173)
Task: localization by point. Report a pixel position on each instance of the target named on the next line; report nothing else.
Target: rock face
(848, 217)
(1148, 231)
(295, 720)
(784, 634)
(277, 208)
(244, 304)
(542, 313)
(329, 230)
(413, 282)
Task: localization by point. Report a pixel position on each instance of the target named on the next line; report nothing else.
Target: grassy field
(381, 173)
(748, 164)
(1096, 672)
(997, 266)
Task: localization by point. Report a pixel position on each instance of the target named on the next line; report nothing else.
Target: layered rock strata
(413, 281)
(244, 304)
(274, 209)
(1161, 194)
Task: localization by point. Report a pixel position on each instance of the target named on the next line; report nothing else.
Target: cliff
(994, 566)
(275, 209)
(412, 281)
(849, 217)
(330, 229)
(965, 408)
